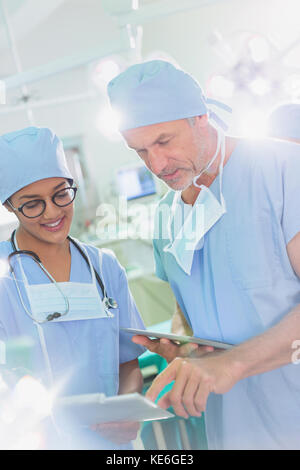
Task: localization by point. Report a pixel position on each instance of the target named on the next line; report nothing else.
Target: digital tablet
(178, 338)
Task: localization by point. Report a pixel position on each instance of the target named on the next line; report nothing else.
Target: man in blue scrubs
(227, 239)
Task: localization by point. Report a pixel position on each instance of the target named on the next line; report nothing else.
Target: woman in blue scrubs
(59, 302)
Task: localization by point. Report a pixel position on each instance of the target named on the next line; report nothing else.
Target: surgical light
(22, 411)
(260, 86)
(30, 393)
(105, 71)
(108, 123)
(221, 86)
(29, 441)
(291, 86)
(253, 124)
(259, 49)
(135, 4)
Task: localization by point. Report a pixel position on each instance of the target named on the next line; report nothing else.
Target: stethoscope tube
(108, 301)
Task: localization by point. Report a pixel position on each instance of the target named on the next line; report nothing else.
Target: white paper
(97, 408)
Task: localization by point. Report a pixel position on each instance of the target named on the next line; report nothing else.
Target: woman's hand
(118, 432)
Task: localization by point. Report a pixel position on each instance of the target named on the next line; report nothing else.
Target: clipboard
(178, 338)
(96, 408)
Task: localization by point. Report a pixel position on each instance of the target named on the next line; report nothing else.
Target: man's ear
(202, 121)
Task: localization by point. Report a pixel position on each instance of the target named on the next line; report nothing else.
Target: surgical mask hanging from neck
(220, 136)
(205, 213)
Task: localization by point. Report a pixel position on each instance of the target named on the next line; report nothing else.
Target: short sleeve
(117, 287)
(129, 318)
(291, 194)
(159, 267)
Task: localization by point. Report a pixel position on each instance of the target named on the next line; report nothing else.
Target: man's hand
(170, 350)
(120, 433)
(194, 379)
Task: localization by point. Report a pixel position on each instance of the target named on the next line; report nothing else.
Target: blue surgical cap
(284, 121)
(27, 156)
(156, 91)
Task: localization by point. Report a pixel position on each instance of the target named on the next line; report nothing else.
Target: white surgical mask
(84, 303)
(83, 299)
(206, 211)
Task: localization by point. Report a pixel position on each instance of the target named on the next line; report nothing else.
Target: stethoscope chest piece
(111, 303)
(108, 303)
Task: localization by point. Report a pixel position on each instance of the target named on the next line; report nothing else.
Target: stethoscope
(108, 302)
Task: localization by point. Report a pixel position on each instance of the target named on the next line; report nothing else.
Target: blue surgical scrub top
(241, 284)
(85, 355)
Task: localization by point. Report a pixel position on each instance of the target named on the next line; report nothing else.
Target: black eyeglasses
(37, 207)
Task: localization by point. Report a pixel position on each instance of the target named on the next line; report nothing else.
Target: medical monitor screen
(135, 182)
